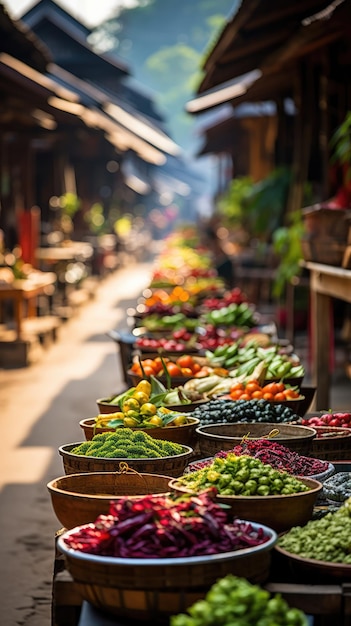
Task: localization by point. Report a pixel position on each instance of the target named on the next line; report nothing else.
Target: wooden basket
(184, 434)
(79, 498)
(169, 465)
(279, 512)
(326, 234)
(332, 448)
(213, 438)
(154, 589)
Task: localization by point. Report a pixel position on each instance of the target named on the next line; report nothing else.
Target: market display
(201, 360)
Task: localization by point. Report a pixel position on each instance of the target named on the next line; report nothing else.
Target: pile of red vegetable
(278, 456)
(156, 526)
(338, 420)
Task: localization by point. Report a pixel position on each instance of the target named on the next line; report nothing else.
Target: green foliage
(340, 144)
(287, 246)
(258, 207)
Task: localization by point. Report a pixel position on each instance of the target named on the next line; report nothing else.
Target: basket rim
(63, 451)
(76, 494)
(310, 432)
(325, 565)
(180, 561)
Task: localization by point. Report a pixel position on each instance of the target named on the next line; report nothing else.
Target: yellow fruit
(132, 415)
(148, 409)
(130, 422)
(155, 420)
(144, 386)
(130, 405)
(179, 421)
(141, 397)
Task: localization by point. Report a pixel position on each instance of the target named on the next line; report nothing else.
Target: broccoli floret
(81, 449)
(118, 453)
(99, 437)
(140, 451)
(171, 449)
(139, 437)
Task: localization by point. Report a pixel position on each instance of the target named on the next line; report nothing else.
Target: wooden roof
(19, 41)
(267, 33)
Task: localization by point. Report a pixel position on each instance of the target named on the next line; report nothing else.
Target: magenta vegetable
(278, 456)
(156, 526)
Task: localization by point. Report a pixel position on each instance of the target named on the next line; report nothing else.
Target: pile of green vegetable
(234, 601)
(244, 476)
(325, 539)
(127, 444)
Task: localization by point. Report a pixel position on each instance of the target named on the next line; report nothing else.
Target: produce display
(274, 392)
(125, 443)
(157, 526)
(229, 412)
(242, 358)
(234, 601)
(329, 418)
(278, 456)
(338, 487)
(233, 296)
(234, 475)
(326, 539)
(184, 366)
(242, 315)
(155, 321)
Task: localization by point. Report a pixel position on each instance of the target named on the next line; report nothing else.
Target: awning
(225, 93)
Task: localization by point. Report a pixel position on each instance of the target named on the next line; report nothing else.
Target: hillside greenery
(165, 43)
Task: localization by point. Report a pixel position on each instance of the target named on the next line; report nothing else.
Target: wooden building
(297, 53)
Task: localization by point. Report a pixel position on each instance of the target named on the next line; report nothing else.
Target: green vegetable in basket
(326, 539)
(244, 476)
(127, 444)
(234, 601)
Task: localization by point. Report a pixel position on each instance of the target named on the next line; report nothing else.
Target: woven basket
(213, 438)
(80, 498)
(335, 447)
(326, 234)
(168, 465)
(184, 434)
(279, 512)
(154, 589)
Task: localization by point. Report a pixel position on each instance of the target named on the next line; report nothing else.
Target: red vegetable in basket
(274, 454)
(162, 527)
(341, 420)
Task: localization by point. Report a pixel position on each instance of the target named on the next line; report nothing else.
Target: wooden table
(326, 282)
(25, 291)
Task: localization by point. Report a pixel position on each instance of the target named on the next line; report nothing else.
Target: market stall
(214, 413)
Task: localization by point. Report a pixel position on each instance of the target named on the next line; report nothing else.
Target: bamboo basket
(154, 589)
(79, 498)
(333, 448)
(279, 512)
(168, 465)
(213, 438)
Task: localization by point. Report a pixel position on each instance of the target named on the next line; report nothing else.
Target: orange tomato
(148, 370)
(186, 371)
(291, 394)
(173, 369)
(236, 386)
(244, 396)
(280, 387)
(257, 395)
(196, 367)
(270, 388)
(185, 361)
(267, 395)
(279, 397)
(252, 386)
(236, 394)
